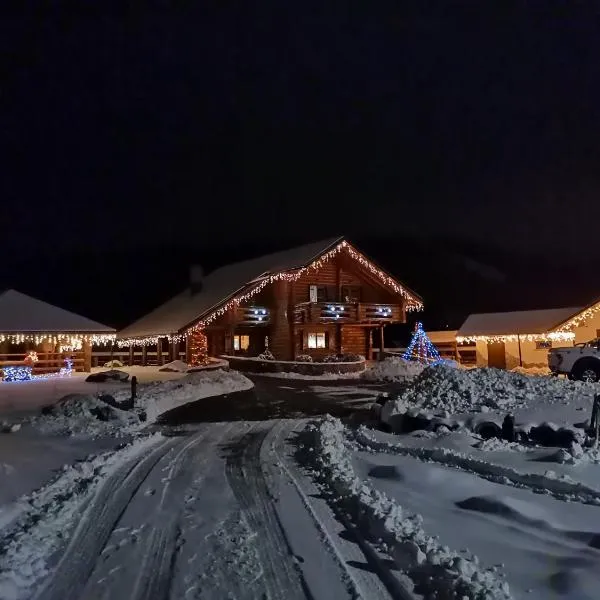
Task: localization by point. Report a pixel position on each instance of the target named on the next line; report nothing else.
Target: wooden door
(496, 355)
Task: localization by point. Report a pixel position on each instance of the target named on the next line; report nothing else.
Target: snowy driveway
(221, 512)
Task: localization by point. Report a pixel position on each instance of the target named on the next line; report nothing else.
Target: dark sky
(232, 123)
(232, 120)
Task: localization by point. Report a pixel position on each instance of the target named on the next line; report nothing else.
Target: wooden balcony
(347, 312)
(252, 315)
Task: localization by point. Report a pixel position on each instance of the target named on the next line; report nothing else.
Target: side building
(318, 299)
(521, 338)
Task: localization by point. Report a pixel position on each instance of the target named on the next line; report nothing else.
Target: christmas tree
(420, 348)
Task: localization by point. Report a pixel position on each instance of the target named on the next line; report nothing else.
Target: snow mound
(436, 571)
(466, 390)
(393, 368)
(158, 397)
(81, 414)
(176, 366)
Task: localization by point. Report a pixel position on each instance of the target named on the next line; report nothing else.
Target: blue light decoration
(421, 349)
(25, 373)
(17, 374)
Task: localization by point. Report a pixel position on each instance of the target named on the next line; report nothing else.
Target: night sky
(139, 139)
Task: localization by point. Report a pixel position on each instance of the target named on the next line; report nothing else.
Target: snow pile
(393, 369)
(459, 390)
(531, 370)
(435, 570)
(43, 520)
(495, 444)
(176, 366)
(81, 414)
(159, 397)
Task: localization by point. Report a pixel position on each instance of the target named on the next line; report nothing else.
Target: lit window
(317, 340)
(241, 342)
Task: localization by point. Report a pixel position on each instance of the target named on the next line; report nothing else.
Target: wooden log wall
(280, 338)
(355, 340)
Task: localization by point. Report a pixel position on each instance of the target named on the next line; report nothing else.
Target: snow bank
(159, 397)
(435, 570)
(82, 414)
(392, 368)
(455, 391)
(41, 522)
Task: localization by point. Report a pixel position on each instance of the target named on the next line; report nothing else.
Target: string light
(198, 348)
(413, 303)
(25, 373)
(66, 340)
(420, 348)
(554, 336)
(580, 318)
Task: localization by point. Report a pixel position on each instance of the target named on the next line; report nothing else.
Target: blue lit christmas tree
(420, 348)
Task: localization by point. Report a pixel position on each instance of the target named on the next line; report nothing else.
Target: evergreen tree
(420, 348)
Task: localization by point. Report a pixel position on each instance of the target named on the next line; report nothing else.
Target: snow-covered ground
(85, 415)
(287, 508)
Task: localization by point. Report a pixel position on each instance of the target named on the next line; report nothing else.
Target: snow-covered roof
(515, 323)
(443, 336)
(220, 285)
(20, 313)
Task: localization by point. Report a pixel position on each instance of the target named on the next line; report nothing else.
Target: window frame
(238, 338)
(317, 336)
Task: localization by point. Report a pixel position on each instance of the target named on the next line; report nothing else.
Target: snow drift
(435, 570)
(452, 390)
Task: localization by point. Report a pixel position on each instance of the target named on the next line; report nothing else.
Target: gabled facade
(523, 338)
(28, 324)
(315, 300)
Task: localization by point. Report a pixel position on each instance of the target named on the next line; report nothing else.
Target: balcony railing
(252, 315)
(346, 312)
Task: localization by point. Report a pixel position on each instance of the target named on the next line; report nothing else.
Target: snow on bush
(44, 519)
(158, 397)
(304, 358)
(436, 570)
(393, 368)
(113, 364)
(266, 355)
(441, 388)
(81, 414)
(343, 358)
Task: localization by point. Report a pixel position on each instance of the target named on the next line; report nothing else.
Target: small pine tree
(420, 348)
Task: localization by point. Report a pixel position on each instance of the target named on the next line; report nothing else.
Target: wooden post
(520, 356)
(131, 355)
(87, 356)
(369, 344)
(159, 354)
(381, 343)
(144, 355)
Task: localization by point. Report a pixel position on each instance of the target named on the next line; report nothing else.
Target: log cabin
(318, 299)
(28, 324)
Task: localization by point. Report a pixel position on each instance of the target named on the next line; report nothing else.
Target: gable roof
(222, 285)
(522, 322)
(20, 313)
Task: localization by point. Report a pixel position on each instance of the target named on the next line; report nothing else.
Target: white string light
(69, 341)
(413, 303)
(555, 336)
(580, 318)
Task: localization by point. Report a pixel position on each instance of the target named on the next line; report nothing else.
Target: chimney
(196, 279)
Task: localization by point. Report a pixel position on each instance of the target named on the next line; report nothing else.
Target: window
(543, 345)
(350, 293)
(317, 293)
(241, 342)
(316, 340)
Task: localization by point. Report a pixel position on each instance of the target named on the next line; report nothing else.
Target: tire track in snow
(382, 583)
(96, 525)
(155, 572)
(561, 489)
(281, 577)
